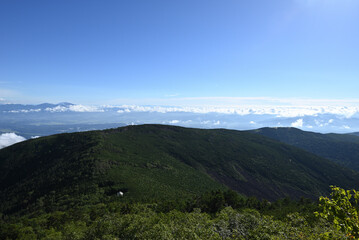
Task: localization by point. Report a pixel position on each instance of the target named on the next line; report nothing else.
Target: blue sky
(108, 52)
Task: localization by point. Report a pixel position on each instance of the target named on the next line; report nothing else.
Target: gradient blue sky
(99, 52)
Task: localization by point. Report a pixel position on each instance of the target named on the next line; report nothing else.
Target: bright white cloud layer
(322, 118)
(236, 109)
(280, 111)
(7, 139)
(298, 123)
(61, 108)
(74, 108)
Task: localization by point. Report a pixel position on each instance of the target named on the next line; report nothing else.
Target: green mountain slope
(157, 162)
(340, 148)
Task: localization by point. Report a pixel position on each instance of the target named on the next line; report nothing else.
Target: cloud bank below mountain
(279, 111)
(7, 139)
(320, 118)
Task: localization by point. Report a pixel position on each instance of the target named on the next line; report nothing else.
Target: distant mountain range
(46, 119)
(158, 162)
(28, 107)
(325, 119)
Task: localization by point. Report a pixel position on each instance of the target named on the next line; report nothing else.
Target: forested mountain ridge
(340, 148)
(157, 162)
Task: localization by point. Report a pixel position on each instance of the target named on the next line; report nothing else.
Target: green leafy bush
(342, 210)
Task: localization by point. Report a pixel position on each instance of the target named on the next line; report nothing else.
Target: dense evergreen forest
(214, 215)
(175, 183)
(340, 148)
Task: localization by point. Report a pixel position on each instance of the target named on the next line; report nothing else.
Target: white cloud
(24, 111)
(279, 111)
(82, 108)
(286, 110)
(124, 111)
(318, 123)
(346, 127)
(252, 122)
(240, 101)
(7, 139)
(173, 121)
(321, 123)
(298, 123)
(57, 109)
(74, 108)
